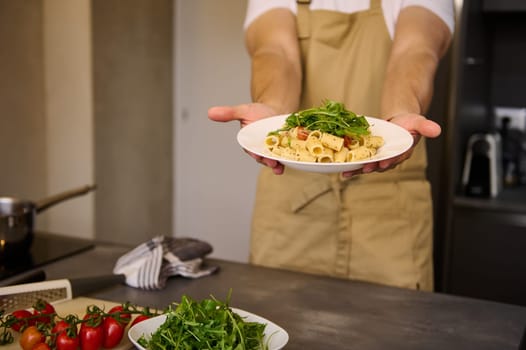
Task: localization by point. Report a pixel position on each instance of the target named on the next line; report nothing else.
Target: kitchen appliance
(513, 148)
(482, 175)
(17, 218)
(46, 248)
(23, 296)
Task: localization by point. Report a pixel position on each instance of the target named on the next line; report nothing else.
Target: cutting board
(77, 306)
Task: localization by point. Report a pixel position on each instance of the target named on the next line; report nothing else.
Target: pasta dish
(326, 134)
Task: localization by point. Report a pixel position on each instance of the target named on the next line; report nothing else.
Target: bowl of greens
(204, 324)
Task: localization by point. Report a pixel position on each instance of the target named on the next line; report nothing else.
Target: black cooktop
(46, 248)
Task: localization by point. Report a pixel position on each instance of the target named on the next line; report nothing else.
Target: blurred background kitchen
(115, 93)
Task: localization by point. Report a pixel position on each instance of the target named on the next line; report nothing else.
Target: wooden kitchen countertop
(325, 313)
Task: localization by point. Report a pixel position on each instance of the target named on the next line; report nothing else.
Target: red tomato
(30, 337)
(67, 341)
(41, 346)
(113, 332)
(24, 317)
(64, 334)
(60, 327)
(139, 318)
(91, 333)
(118, 313)
(45, 309)
(302, 133)
(348, 141)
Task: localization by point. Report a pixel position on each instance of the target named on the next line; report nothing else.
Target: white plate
(397, 140)
(276, 336)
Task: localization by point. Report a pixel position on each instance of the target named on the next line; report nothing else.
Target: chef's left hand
(418, 126)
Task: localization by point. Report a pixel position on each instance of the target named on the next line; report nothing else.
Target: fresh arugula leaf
(332, 117)
(205, 324)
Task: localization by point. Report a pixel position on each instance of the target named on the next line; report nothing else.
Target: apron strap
(303, 19)
(376, 4)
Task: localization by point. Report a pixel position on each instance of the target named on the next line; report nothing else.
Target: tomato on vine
(139, 319)
(41, 346)
(91, 332)
(30, 337)
(24, 319)
(59, 327)
(113, 332)
(43, 329)
(67, 341)
(121, 314)
(45, 310)
(64, 334)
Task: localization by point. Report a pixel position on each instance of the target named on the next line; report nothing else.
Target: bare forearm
(276, 68)
(408, 86)
(275, 82)
(421, 39)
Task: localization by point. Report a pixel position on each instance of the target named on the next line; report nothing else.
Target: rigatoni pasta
(321, 147)
(326, 134)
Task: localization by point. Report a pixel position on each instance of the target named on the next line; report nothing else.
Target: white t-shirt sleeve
(257, 7)
(442, 8)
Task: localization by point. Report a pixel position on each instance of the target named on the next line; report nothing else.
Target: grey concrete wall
(132, 66)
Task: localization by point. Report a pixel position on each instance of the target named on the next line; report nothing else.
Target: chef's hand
(418, 126)
(246, 114)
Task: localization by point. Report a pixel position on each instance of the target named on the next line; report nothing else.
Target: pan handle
(43, 204)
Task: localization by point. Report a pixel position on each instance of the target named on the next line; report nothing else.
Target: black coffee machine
(482, 175)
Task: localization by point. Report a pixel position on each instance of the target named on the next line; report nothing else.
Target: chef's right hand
(246, 114)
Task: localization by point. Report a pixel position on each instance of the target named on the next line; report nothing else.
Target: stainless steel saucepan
(17, 219)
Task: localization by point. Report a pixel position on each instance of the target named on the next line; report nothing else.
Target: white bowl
(276, 336)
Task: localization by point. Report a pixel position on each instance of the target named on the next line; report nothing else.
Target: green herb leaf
(332, 117)
(205, 324)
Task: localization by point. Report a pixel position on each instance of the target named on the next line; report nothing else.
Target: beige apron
(375, 227)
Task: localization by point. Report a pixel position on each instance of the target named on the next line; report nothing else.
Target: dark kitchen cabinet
(485, 235)
(487, 252)
(504, 5)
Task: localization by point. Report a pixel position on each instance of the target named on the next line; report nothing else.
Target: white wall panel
(214, 179)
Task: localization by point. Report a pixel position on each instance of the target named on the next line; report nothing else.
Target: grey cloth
(149, 265)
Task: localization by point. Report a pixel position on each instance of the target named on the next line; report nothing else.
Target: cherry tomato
(60, 327)
(91, 332)
(120, 315)
(30, 337)
(67, 341)
(41, 346)
(44, 309)
(139, 318)
(113, 332)
(25, 319)
(302, 133)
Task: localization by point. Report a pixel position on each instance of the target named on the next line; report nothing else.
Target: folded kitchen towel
(150, 264)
